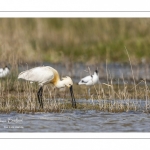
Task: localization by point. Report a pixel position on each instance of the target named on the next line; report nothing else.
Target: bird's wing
(38, 74)
(85, 80)
(1, 70)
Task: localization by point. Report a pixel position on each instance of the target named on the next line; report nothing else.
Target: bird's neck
(60, 84)
(56, 80)
(95, 73)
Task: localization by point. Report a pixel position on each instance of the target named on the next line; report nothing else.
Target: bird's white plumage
(42, 75)
(90, 80)
(4, 72)
(1, 70)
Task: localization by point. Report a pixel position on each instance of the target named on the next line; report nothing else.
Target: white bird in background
(45, 75)
(90, 80)
(4, 71)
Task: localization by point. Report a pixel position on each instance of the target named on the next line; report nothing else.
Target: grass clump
(22, 98)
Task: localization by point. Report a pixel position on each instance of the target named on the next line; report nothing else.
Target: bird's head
(67, 81)
(96, 71)
(7, 67)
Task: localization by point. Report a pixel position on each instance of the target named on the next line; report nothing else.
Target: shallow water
(76, 121)
(84, 120)
(115, 70)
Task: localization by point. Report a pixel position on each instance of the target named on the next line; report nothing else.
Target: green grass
(88, 40)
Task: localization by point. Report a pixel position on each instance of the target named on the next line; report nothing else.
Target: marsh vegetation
(111, 94)
(87, 40)
(98, 43)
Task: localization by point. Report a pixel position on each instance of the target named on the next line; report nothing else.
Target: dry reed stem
(132, 72)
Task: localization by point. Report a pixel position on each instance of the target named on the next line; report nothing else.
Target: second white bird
(90, 80)
(4, 71)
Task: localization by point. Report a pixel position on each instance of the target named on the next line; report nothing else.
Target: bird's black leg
(39, 95)
(73, 98)
(74, 103)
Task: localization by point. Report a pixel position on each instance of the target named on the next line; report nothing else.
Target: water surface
(76, 121)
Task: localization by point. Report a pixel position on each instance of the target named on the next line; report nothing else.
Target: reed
(119, 99)
(21, 96)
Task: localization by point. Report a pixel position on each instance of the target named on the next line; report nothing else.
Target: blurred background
(85, 40)
(71, 45)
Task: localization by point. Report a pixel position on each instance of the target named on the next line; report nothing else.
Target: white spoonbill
(4, 71)
(45, 75)
(90, 80)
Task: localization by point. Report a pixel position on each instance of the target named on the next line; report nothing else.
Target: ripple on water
(76, 121)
